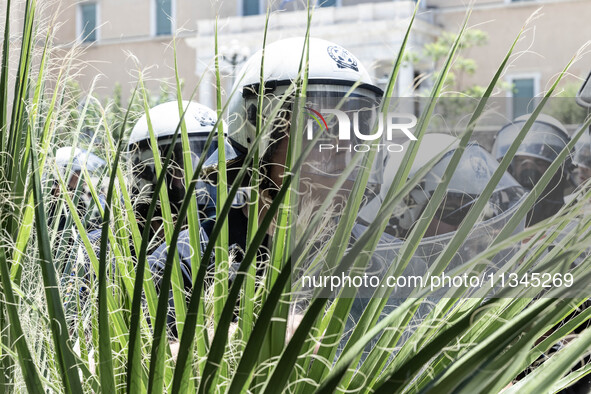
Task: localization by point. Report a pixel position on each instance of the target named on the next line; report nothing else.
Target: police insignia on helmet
(342, 57)
(205, 119)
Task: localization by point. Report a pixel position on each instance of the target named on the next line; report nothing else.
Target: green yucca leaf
(64, 356)
(569, 379)
(134, 374)
(464, 344)
(222, 257)
(107, 378)
(283, 234)
(220, 338)
(559, 333)
(253, 346)
(193, 213)
(134, 361)
(27, 217)
(472, 216)
(502, 370)
(16, 138)
(168, 224)
(27, 364)
(451, 167)
(420, 130)
(194, 302)
(531, 318)
(119, 326)
(250, 253)
(429, 212)
(4, 79)
(246, 314)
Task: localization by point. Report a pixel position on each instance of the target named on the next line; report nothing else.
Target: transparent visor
(582, 156)
(337, 123)
(144, 171)
(93, 164)
(543, 141)
(471, 177)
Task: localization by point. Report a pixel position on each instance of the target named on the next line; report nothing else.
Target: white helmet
(165, 120)
(332, 73)
(467, 183)
(79, 158)
(540, 147)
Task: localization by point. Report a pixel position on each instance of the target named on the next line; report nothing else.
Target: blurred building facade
(121, 37)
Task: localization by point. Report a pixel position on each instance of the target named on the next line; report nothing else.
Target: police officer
(335, 78)
(467, 183)
(333, 72)
(542, 144)
(165, 119)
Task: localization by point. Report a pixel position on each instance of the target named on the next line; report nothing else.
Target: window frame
(240, 10)
(337, 4)
(536, 76)
(154, 19)
(80, 27)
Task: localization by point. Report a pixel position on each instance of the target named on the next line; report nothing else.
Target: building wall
(126, 43)
(375, 47)
(125, 28)
(551, 40)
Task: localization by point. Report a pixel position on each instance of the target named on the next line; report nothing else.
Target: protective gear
(333, 71)
(165, 119)
(582, 158)
(467, 183)
(471, 176)
(79, 157)
(545, 140)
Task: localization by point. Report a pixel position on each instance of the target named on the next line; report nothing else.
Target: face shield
(344, 126)
(144, 171)
(582, 158)
(336, 124)
(472, 174)
(543, 141)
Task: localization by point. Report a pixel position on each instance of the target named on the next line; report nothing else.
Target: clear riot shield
(416, 275)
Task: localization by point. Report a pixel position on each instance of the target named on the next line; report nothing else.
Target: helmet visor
(582, 157)
(144, 170)
(543, 141)
(340, 123)
(467, 183)
(473, 173)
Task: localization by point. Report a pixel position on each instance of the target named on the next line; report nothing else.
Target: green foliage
(95, 323)
(565, 109)
(437, 51)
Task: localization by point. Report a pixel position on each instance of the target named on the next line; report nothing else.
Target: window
(88, 22)
(327, 3)
(523, 94)
(250, 7)
(163, 17)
